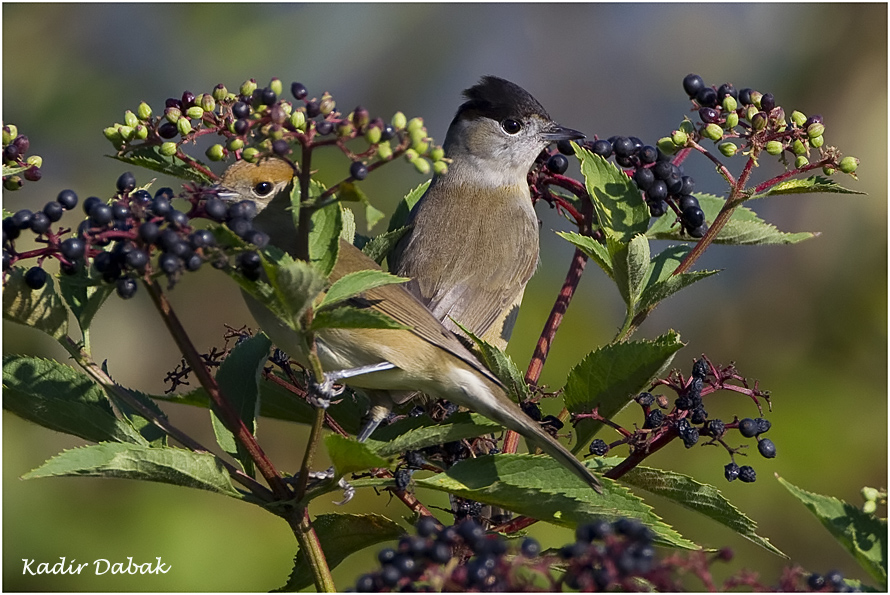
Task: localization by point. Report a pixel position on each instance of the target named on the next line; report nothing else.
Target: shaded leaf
(609, 377)
(324, 237)
(41, 308)
(341, 535)
(130, 461)
(350, 191)
(655, 293)
(350, 456)
(352, 284)
(414, 433)
(813, 184)
(379, 247)
(84, 297)
(617, 201)
(862, 534)
(593, 249)
(60, 398)
(501, 365)
(403, 210)
(350, 317)
(149, 157)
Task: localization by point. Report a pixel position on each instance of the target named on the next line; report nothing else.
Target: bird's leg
(320, 394)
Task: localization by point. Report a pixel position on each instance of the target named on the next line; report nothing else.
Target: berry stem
(309, 454)
(763, 186)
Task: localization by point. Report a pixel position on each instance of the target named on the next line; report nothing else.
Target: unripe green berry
(184, 126)
(250, 154)
(235, 143)
(732, 120)
(869, 507)
(275, 85)
(437, 154)
(869, 493)
(687, 126)
(411, 155)
(35, 160)
(421, 165)
(130, 119)
(755, 98)
(220, 92)
(713, 132)
(126, 132)
(730, 104)
(759, 121)
(399, 121)
(12, 183)
(774, 147)
(666, 145)
(817, 142)
(679, 138)
(815, 129)
(801, 161)
(384, 151)
(8, 135)
(421, 146)
(196, 112)
(848, 164)
(751, 112)
(798, 148)
(415, 124)
(728, 149)
(440, 167)
(113, 135)
(168, 149)
(141, 132)
(799, 118)
(208, 103)
(828, 170)
(275, 132)
(327, 104)
(345, 129)
(215, 153)
(248, 87)
(172, 114)
(143, 111)
(373, 135)
(298, 120)
(287, 107)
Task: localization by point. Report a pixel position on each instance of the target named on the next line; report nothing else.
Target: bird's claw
(348, 492)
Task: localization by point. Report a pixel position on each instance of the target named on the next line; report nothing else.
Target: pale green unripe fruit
(801, 161)
(411, 155)
(196, 112)
(755, 98)
(276, 86)
(183, 126)
(126, 132)
(798, 148)
(298, 120)
(752, 111)
(168, 149)
(679, 138)
(140, 132)
(848, 164)
(130, 119)
(415, 124)
(208, 103)
(815, 129)
(399, 121)
(799, 118)
(440, 168)
(345, 129)
(9, 133)
(732, 120)
(216, 153)
(437, 154)
(384, 151)
(817, 141)
(728, 149)
(730, 104)
(712, 131)
(143, 111)
(250, 154)
(35, 160)
(112, 134)
(220, 92)
(422, 165)
(774, 147)
(373, 135)
(235, 143)
(248, 87)
(327, 104)
(172, 114)
(687, 126)
(666, 145)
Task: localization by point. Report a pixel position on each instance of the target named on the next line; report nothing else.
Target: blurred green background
(809, 321)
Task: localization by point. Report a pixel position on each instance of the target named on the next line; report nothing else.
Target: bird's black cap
(497, 99)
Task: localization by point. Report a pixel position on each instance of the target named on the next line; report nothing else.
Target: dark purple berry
(532, 410)
(90, 203)
(298, 90)
(816, 582)
(365, 584)
(674, 183)
(72, 248)
(67, 198)
(699, 415)
(598, 447)
(623, 147)
(22, 143)
(324, 127)
(698, 232)
(647, 154)
(126, 182)
(241, 126)
(654, 419)
(160, 206)
(359, 170)
(571, 551)
(40, 222)
(707, 97)
(247, 261)
(169, 263)
(763, 425)
(201, 238)
(645, 399)
(168, 130)
(149, 232)
(816, 119)
(603, 148)
(693, 217)
(312, 109)
(745, 96)
(558, 163)
(390, 576)
(439, 552)
(120, 212)
(268, 96)
(126, 287)
(731, 472)
(257, 238)
(239, 226)
(21, 220)
(33, 174)
(137, 259)
(565, 147)
(687, 200)
(688, 185)
(644, 178)
(747, 474)
(726, 89)
(662, 170)
(471, 532)
(552, 423)
(708, 115)
(243, 209)
(100, 214)
(281, 147)
(835, 579)
(427, 526)
(767, 102)
(692, 84)
(35, 278)
(387, 132)
(53, 211)
(188, 99)
(657, 192)
(748, 427)
(11, 153)
(216, 209)
(715, 428)
(240, 110)
(627, 162)
(766, 448)
(7, 260)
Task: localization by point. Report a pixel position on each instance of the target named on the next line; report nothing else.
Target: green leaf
(699, 497)
(238, 378)
(149, 157)
(617, 201)
(593, 249)
(324, 237)
(84, 297)
(341, 535)
(379, 247)
(41, 308)
(354, 283)
(350, 456)
(350, 191)
(501, 365)
(539, 487)
(631, 267)
(655, 293)
(744, 228)
(609, 377)
(400, 215)
(862, 534)
(347, 233)
(414, 433)
(152, 434)
(810, 185)
(293, 286)
(60, 398)
(131, 461)
(350, 317)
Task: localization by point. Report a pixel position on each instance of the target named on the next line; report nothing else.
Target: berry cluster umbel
(688, 419)
(18, 166)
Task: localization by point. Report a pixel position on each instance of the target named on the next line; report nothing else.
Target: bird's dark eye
(511, 126)
(263, 188)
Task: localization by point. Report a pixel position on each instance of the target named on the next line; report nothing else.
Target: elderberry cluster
(134, 235)
(688, 419)
(17, 165)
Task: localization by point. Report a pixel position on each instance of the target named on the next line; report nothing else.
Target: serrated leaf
(42, 308)
(149, 157)
(862, 534)
(744, 228)
(341, 535)
(630, 267)
(350, 456)
(813, 184)
(60, 398)
(610, 376)
(403, 210)
(84, 297)
(352, 284)
(656, 292)
(131, 461)
(414, 433)
(539, 487)
(324, 237)
(593, 249)
(501, 365)
(617, 201)
(238, 378)
(379, 247)
(293, 286)
(347, 233)
(350, 317)
(698, 497)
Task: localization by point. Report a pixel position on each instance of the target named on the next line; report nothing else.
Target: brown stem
(310, 547)
(309, 454)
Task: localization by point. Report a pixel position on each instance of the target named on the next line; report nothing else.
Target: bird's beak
(556, 133)
(224, 193)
